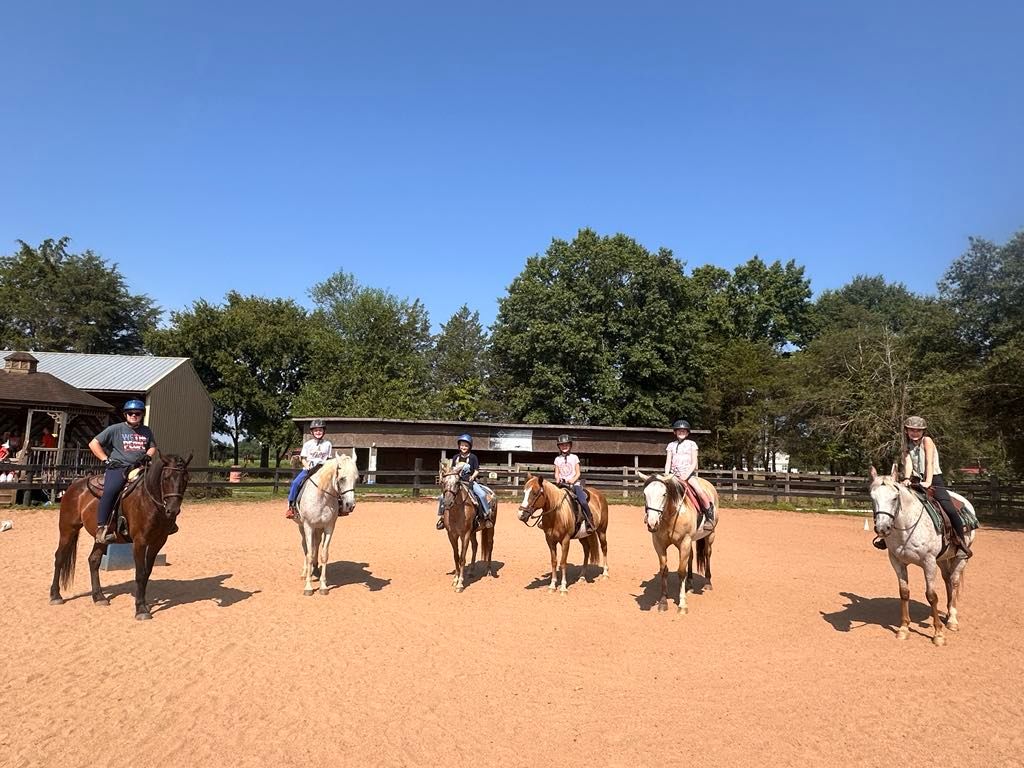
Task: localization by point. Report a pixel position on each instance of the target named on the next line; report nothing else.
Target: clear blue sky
(429, 149)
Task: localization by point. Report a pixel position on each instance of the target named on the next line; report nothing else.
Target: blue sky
(260, 147)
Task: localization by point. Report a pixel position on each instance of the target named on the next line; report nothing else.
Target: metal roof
(107, 373)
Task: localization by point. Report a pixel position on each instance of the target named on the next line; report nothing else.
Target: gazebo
(32, 400)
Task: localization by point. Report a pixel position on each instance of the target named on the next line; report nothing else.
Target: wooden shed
(178, 407)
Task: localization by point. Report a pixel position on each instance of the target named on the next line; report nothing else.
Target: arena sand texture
(792, 660)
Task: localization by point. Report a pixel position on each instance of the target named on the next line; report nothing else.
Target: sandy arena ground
(792, 660)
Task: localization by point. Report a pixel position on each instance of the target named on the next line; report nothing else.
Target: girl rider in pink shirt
(567, 472)
(681, 461)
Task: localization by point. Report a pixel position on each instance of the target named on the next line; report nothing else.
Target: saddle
(577, 510)
(940, 519)
(691, 494)
(481, 513)
(95, 485)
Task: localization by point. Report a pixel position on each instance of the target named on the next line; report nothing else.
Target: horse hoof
(307, 592)
(324, 590)
(459, 588)
(604, 575)
(143, 616)
(902, 634)
(100, 601)
(662, 607)
(939, 640)
(708, 587)
(563, 592)
(56, 601)
(683, 609)
(954, 627)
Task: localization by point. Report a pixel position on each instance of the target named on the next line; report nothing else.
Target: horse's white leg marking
(307, 530)
(564, 589)
(554, 565)
(686, 545)
(901, 577)
(931, 570)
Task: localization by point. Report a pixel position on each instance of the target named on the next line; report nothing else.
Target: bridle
(877, 511)
(452, 493)
(162, 503)
(649, 508)
(535, 514)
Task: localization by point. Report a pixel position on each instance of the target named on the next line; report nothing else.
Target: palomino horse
(910, 538)
(459, 513)
(326, 495)
(548, 505)
(671, 518)
(151, 509)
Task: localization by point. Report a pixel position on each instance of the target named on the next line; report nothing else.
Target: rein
(537, 513)
(161, 505)
(900, 509)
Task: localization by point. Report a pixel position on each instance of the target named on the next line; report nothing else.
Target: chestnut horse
(671, 517)
(459, 513)
(548, 505)
(151, 509)
(911, 539)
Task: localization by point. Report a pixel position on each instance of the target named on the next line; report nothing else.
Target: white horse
(325, 496)
(910, 537)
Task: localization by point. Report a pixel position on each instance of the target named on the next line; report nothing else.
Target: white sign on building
(511, 440)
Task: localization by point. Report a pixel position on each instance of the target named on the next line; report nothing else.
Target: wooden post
(993, 485)
(734, 486)
(277, 480)
(519, 470)
(842, 491)
(625, 482)
(787, 488)
(775, 488)
(417, 467)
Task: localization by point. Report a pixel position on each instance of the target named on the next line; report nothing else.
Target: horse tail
(67, 568)
(702, 556)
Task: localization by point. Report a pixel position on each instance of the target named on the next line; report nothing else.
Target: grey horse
(911, 539)
(325, 496)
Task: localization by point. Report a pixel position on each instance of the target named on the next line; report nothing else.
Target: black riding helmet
(465, 438)
(681, 424)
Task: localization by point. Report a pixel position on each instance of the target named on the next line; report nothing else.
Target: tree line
(597, 330)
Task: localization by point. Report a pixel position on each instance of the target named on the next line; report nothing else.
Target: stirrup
(103, 535)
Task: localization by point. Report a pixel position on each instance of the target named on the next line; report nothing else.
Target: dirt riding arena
(792, 660)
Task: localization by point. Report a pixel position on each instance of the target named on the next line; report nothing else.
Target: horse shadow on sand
(574, 573)
(342, 573)
(878, 611)
(475, 572)
(162, 594)
(650, 593)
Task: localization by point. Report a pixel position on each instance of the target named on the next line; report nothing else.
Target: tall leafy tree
(252, 354)
(370, 353)
(56, 300)
(598, 330)
(769, 302)
(459, 369)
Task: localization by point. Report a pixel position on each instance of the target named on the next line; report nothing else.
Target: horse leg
(145, 557)
(901, 576)
(930, 572)
(552, 545)
(686, 545)
(325, 548)
(586, 554)
(311, 546)
(487, 539)
(95, 558)
(473, 541)
(463, 551)
(563, 564)
(305, 549)
(603, 537)
(453, 539)
(707, 560)
(953, 583)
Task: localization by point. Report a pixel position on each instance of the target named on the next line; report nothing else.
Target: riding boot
(959, 534)
(290, 514)
(103, 535)
(709, 515)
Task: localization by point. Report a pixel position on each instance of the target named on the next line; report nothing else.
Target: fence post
(277, 480)
(417, 467)
(842, 491)
(515, 480)
(993, 484)
(788, 499)
(775, 489)
(734, 494)
(625, 482)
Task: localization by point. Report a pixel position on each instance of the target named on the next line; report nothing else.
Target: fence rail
(992, 498)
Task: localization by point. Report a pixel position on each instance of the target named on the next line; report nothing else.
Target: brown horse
(151, 508)
(671, 518)
(548, 504)
(459, 514)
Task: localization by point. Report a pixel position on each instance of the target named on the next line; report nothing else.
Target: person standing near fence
(315, 452)
(121, 447)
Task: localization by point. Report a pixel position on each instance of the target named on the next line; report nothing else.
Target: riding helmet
(465, 439)
(563, 439)
(316, 424)
(681, 424)
(134, 405)
(915, 422)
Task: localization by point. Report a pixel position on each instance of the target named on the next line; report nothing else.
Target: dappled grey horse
(325, 496)
(911, 539)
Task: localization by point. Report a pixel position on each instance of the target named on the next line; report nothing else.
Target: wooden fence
(992, 498)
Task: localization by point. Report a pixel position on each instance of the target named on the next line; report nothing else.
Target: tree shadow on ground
(651, 589)
(880, 611)
(343, 572)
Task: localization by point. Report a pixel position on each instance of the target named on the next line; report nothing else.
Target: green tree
(459, 369)
(769, 302)
(252, 354)
(55, 300)
(370, 353)
(598, 331)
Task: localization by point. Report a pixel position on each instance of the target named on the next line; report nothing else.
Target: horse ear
(642, 476)
(188, 460)
(874, 472)
(894, 474)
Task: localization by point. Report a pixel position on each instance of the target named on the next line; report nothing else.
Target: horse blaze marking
(119, 557)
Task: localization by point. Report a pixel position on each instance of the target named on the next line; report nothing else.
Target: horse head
(166, 481)
(885, 500)
(659, 492)
(341, 475)
(533, 491)
(449, 482)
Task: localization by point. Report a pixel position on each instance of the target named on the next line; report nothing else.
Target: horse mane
(343, 466)
(673, 488)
